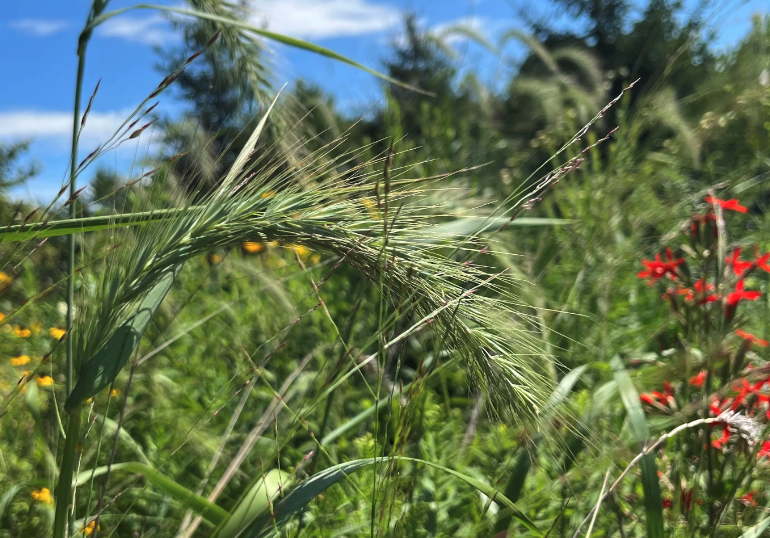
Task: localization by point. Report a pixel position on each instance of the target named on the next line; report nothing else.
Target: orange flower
(115, 393)
(750, 338)
(56, 332)
(21, 333)
(45, 381)
(42, 495)
(19, 361)
(253, 247)
(2, 316)
(89, 529)
(647, 398)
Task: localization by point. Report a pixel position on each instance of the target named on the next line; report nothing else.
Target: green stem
(64, 487)
(73, 189)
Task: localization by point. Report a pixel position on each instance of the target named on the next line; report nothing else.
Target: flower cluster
(705, 292)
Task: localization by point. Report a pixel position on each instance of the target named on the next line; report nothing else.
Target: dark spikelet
(213, 39)
(139, 131)
(74, 196)
(94, 152)
(90, 104)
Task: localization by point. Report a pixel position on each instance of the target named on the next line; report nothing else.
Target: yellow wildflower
(45, 381)
(42, 495)
(268, 194)
(215, 258)
(370, 205)
(90, 400)
(89, 529)
(19, 361)
(5, 279)
(115, 393)
(2, 316)
(301, 251)
(56, 332)
(21, 333)
(253, 247)
(315, 258)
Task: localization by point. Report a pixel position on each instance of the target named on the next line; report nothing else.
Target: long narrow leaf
(99, 372)
(196, 503)
(280, 38)
(653, 503)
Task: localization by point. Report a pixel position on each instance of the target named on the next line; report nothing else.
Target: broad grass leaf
(757, 530)
(99, 372)
(653, 504)
(200, 505)
(255, 503)
(309, 489)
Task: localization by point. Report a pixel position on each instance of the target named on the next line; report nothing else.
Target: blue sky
(38, 64)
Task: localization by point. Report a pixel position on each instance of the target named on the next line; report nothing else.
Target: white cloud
(316, 19)
(152, 30)
(23, 124)
(39, 27)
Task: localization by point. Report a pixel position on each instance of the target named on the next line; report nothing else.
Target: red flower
(686, 498)
(738, 266)
(748, 499)
(657, 269)
(698, 379)
(719, 443)
(765, 452)
(715, 407)
(700, 287)
(646, 398)
(751, 338)
(726, 204)
(761, 261)
(746, 390)
(735, 297)
(666, 503)
(668, 388)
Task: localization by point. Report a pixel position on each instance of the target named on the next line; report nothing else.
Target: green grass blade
(320, 482)
(57, 228)
(8, 496)
(196, 503)
(476, 225)
(254, 503)
(99, 372)
(354, 421)
(280, 38)
(653, 503)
